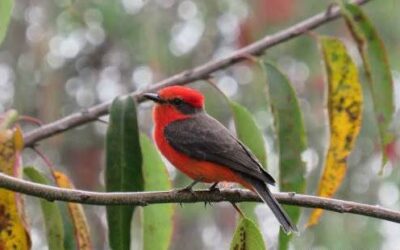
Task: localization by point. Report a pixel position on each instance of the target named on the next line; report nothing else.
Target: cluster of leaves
(133, 163)
(345, 105)
(13, 230)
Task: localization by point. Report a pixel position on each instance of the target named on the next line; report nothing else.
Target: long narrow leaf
(377, 69)
(51, 213)
(157, 219)
(345, 104)
(289, 125)
(248, 131)
(13, 232)
(6, 7)
(124, 168)
(78, 217)
(250, 134)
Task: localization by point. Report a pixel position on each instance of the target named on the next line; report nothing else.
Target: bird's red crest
(188, 95)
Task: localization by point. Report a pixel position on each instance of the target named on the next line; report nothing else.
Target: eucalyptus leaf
(250, 134)
(377, 69)
(157, 219)
(247, 236)
(51, 213)
(123, 169)
(291, 133)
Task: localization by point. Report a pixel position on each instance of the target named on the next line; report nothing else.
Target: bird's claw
(214, 187)
(188, 189)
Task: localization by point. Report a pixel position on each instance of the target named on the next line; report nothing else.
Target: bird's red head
(185, 94)
(175, 103)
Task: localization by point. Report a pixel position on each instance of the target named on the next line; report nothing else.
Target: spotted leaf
(13, 232)
(345, 103)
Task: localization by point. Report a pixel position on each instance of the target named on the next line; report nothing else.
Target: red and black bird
(203, 149)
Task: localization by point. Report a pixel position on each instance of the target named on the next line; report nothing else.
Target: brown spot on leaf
(4, 218)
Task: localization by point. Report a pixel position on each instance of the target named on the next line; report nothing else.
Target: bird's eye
(177, 101)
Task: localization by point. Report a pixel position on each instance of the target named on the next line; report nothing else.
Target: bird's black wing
(204, 138)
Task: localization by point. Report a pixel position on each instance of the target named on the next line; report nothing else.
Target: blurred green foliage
(64, 56)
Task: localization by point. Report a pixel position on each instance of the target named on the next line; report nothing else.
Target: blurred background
(62, 56)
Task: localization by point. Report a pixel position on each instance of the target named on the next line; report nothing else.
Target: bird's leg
(214, 187)
(237, 209)
(188, 188)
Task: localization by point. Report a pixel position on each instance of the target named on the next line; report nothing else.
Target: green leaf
(377, 69)
(51, 213)
(289, 126)
(157, 219)
(6, 7)
(250, 134)
(247, 236)
(248, 131)
(124, 168)
(69, 234)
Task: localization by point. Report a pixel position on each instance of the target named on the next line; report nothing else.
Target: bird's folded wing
(204, 138)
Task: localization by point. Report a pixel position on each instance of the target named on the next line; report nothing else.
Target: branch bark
(198, 73)
(231, 195)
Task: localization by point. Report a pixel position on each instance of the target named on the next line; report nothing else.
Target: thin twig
(230, 195)
(30, 119)
(45, 159)
(201, 72)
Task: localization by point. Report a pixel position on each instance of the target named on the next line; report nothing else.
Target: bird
(203, 149)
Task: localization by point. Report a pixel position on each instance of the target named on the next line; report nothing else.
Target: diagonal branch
(232, 195)
(198, 73)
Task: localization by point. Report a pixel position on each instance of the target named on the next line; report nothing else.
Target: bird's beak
(153, 97)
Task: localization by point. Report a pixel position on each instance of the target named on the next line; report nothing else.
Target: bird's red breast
(198, 170)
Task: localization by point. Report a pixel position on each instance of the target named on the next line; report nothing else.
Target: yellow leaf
(18, 139)
(345, 104)
(13, 233)
(81, 226)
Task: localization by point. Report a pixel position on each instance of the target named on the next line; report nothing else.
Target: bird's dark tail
(263, 191)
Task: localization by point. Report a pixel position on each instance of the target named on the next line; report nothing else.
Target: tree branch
(198, 73)
(232, 195)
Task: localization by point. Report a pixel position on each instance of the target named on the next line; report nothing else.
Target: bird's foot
(214, 187)
(187, 189)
